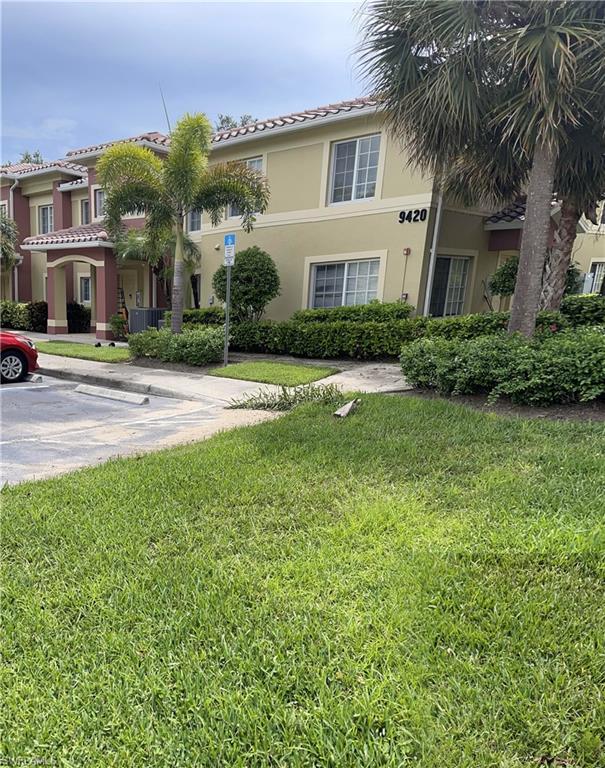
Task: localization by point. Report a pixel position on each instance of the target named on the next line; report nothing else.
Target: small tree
(254, 282)
(9, 234)
(31, 157)
(228, 122)
(502, 282)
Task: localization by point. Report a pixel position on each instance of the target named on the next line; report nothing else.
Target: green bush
(203, 316)
(15, 315)
(584, 310)
(78, 318)
(119, 327)
(199, 346)
(254, 282)
(502, 282)
(557, 368)
(38, 316)
(360, 313)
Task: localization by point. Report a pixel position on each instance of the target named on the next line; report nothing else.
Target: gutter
(433, 256)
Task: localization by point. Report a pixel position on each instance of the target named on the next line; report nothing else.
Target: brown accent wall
(505, 239)
(21, 216)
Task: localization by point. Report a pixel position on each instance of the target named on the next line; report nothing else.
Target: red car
(18, 357)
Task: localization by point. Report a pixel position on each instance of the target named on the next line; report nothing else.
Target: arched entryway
(103, 288)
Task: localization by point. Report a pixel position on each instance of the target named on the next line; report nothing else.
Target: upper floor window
(256, 163)
(45, 219)
(194, 221)
(99, 203)
(354, 169)
(84, 211)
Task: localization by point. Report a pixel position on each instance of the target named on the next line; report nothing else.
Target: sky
(79, 73)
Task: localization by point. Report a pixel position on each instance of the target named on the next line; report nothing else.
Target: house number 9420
(418, 214)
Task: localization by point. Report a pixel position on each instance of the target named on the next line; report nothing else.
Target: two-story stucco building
(347, 222)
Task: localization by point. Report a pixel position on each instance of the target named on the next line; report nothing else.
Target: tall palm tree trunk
(560, 256)
(534, 243)
(176, 322)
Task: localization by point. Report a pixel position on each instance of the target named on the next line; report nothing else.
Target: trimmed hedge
(203, 316)
(584, 309)
(198, 346)
(360, 313)
(15, 316)
(557, 368)
(370, 340)
(34, 315)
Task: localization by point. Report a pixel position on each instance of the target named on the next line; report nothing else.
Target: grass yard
(417, 584)
(283, 374)
(103, 354)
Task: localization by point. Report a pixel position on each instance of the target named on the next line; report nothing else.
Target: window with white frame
(4, 209)
(45, 219)
(256, 163)
(344, 283)
(597, 269)
(85, 290)
(354, 169)
(99, 203)
(194, 221)
(449, 286)
(85, 211)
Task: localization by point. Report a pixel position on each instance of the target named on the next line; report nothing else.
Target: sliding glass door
(449, 286)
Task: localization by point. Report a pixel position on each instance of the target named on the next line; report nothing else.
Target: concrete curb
(113, 394)
(96, 379)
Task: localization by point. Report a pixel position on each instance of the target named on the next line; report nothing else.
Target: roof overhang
(68, 246)
(44, 171)
(98, 152)
(302, 125)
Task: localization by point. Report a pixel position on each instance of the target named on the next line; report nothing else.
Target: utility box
(141, 318)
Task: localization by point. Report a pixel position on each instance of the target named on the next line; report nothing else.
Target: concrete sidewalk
(149, 381)
(358, 377)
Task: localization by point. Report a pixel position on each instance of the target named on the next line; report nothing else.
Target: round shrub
(254, 282)
(196, 346)
(563, 367)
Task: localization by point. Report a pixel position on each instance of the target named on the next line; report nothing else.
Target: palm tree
(447, 72)
(134, 245)
(9, 234)
(496, 178)
(137, 180)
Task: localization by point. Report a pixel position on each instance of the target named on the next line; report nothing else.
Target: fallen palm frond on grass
(287, 398)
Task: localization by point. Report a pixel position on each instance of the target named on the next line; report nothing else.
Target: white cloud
(49, 129)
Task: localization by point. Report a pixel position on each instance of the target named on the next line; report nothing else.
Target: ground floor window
(345, 283)
(85, 290)
(449, 286)
(597, 270)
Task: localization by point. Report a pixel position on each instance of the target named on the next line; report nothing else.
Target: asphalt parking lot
(48, 428)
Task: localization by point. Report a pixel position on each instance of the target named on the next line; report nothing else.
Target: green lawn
(417, 584)
(283, 374)
(103, 354)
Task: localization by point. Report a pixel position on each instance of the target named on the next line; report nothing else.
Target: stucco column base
(56, 299)
(54, 329)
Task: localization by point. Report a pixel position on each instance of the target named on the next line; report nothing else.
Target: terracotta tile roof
(25, 169)
(152, 137)
(18, 167)
(84, 234)
(515, 212)
(295, 118)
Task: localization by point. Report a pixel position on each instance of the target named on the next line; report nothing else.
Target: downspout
(11, 213)
(433, 256)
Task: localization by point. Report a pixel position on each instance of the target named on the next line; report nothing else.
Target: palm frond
(232, 184)
(187, 159)
(132, 179)
(9, 235)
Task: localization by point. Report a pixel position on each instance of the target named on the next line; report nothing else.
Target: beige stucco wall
(588, 248)
(76, 213)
